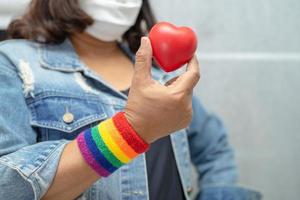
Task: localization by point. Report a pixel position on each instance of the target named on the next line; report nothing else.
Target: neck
(87, 45)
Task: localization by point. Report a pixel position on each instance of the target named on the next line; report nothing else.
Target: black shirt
(3, 35)
(163, 177)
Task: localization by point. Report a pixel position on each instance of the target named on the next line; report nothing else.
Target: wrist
(128, 132)
(140, 128)
(111, 144)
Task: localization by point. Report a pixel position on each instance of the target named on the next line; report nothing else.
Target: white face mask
(112, 18)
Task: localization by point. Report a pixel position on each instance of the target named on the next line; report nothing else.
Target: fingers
(169, 82)
(143, 59)
(189, 79)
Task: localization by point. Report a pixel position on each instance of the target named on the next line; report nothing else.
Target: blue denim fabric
(40, 83)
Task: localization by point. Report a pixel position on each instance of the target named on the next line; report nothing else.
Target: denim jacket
(48, 96)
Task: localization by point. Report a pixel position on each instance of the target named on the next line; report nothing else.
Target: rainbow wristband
(110, 144)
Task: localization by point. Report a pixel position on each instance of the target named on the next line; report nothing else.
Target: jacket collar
(63, 57)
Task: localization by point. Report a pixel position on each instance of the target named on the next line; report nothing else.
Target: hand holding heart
(172, 46)
(155, 110)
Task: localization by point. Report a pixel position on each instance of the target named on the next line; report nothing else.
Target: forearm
(97, 152)
(73, 176)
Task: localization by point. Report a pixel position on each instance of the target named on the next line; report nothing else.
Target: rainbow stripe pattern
(110, 144)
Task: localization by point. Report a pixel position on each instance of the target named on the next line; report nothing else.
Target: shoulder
(17, 46)
(14, 51)
(18, 43)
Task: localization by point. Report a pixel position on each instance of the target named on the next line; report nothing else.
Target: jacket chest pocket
(63, 117)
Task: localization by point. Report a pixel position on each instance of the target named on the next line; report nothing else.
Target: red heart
(172, 46)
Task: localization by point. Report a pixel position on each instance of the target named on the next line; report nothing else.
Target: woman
(67, 128)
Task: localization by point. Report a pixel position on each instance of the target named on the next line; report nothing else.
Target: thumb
(143, 59)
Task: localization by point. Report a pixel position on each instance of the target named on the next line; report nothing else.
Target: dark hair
(52, 21)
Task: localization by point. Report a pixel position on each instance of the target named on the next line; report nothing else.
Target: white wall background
(10, 9)
(250, 56)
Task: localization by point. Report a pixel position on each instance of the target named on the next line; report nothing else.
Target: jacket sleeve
(213, 157)
(27, 168)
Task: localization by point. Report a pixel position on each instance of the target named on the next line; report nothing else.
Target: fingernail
(143, 41)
